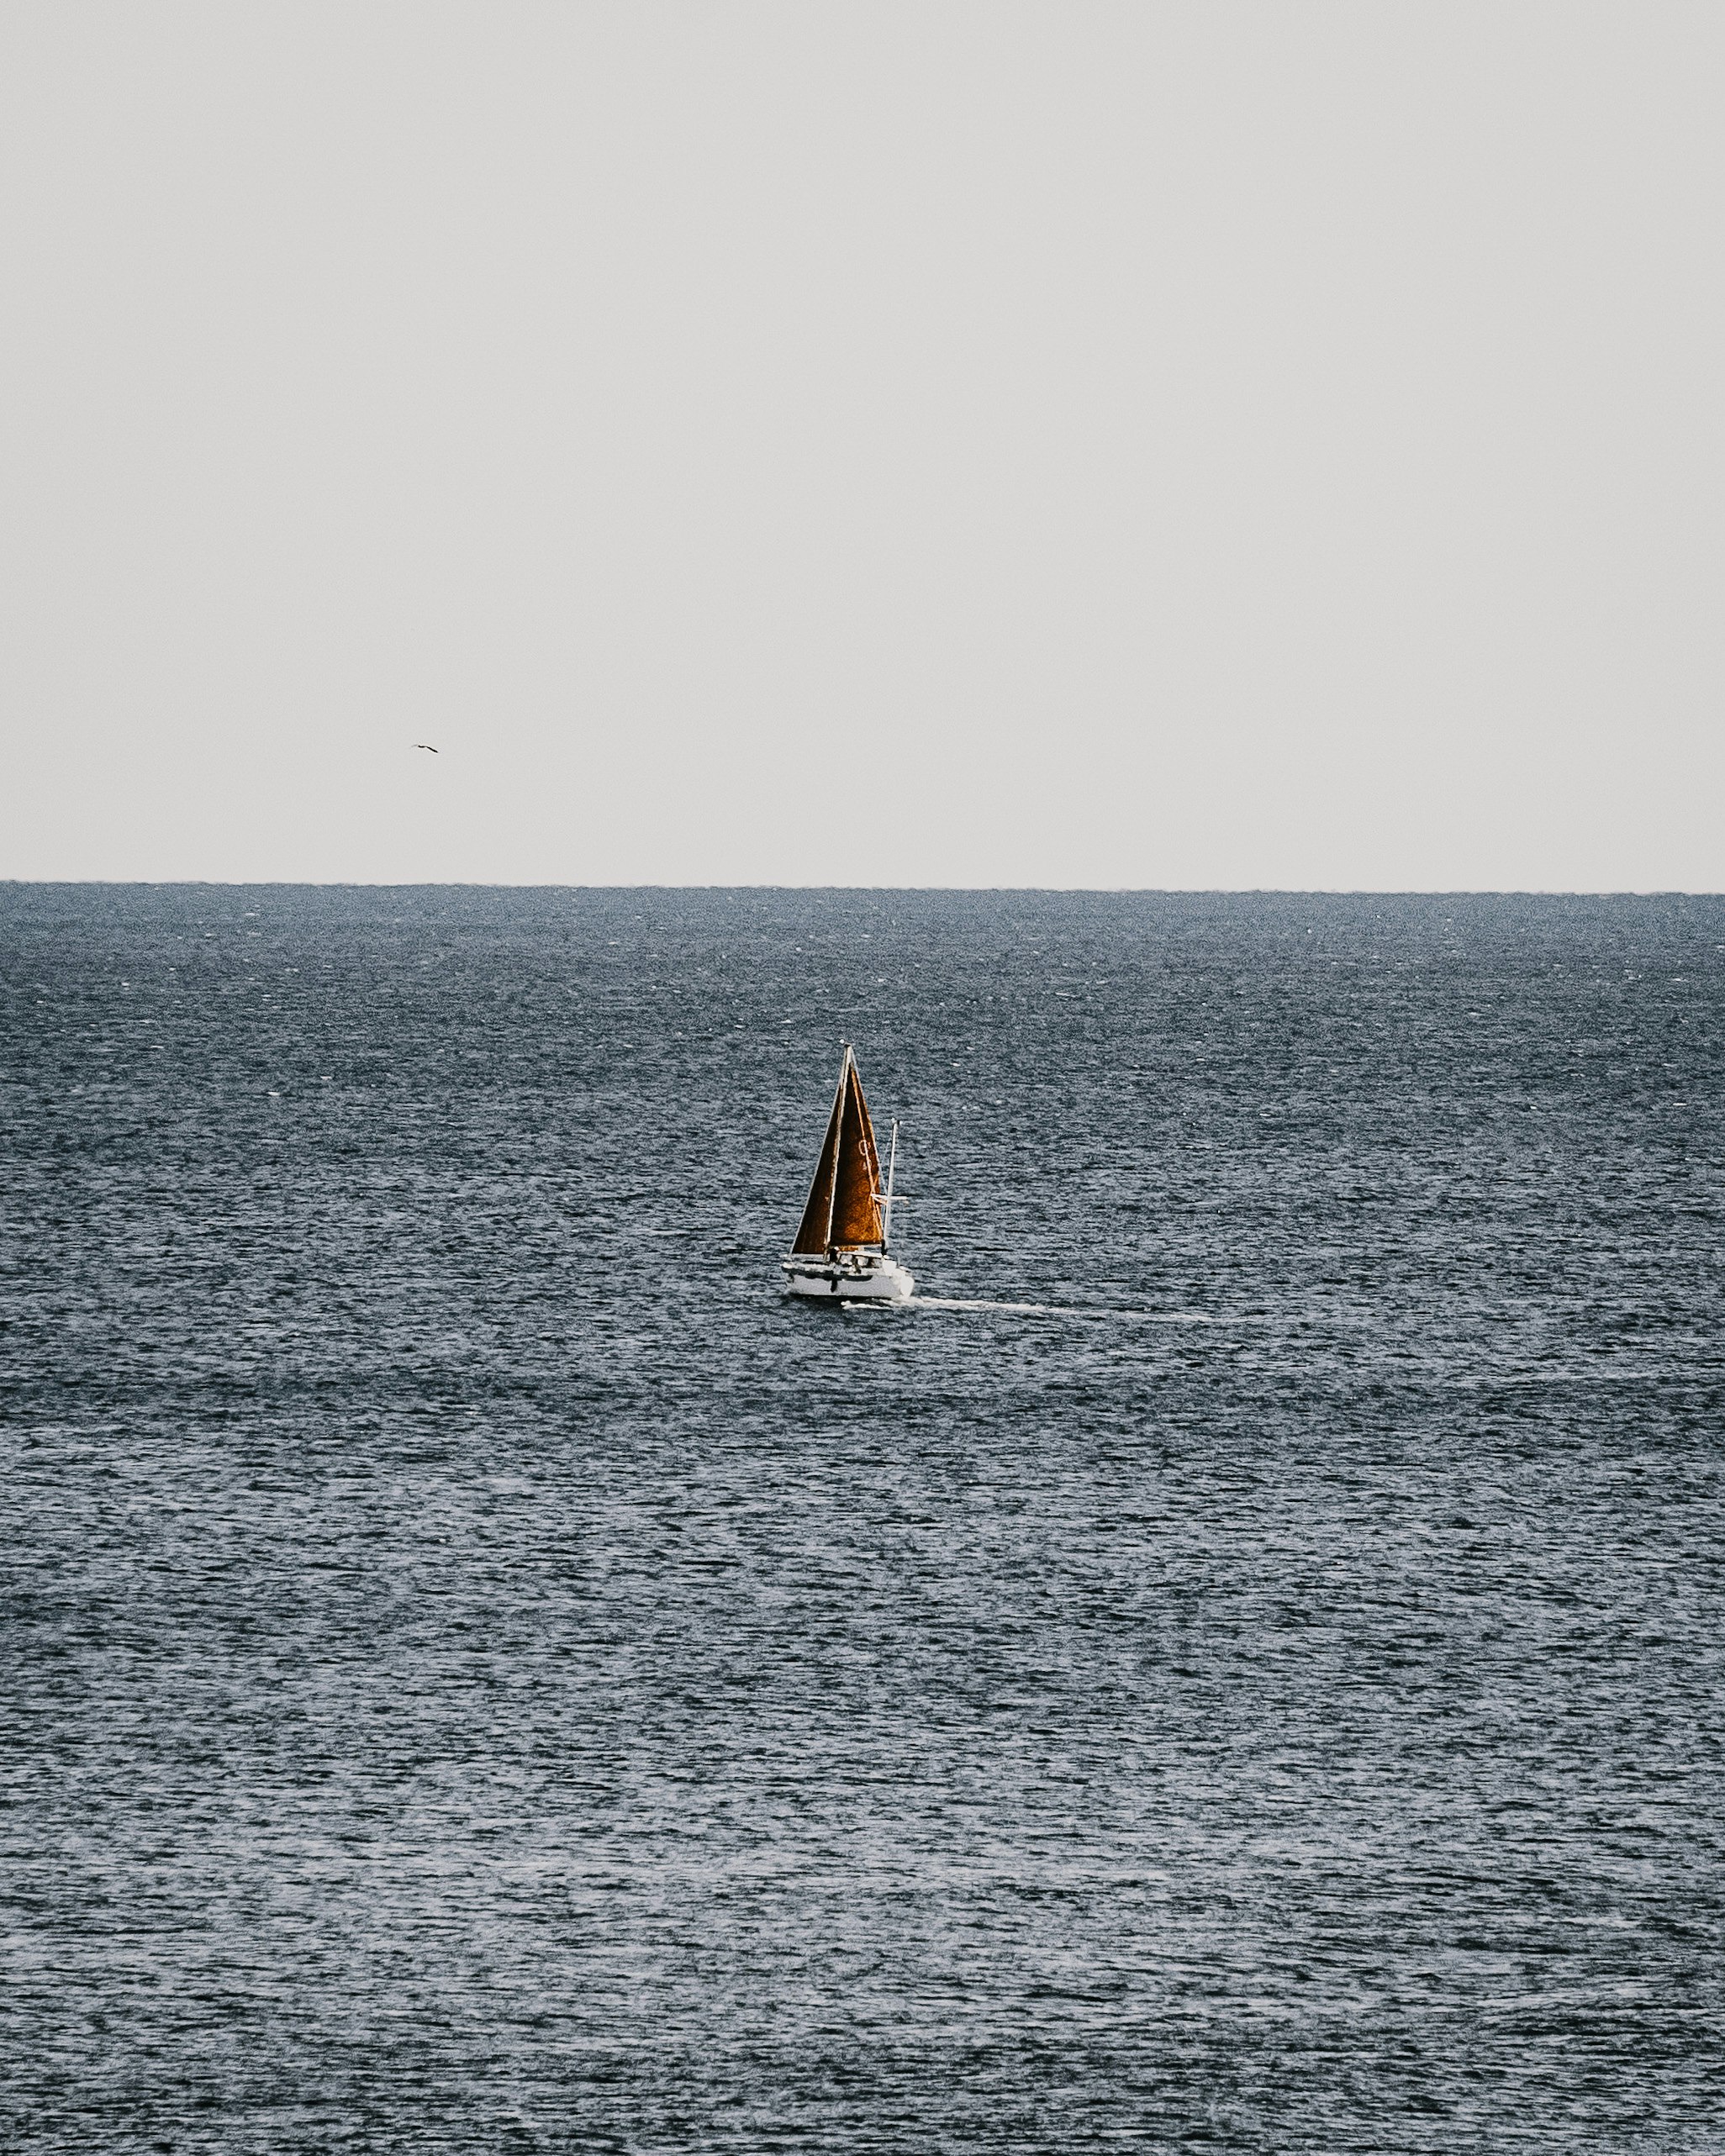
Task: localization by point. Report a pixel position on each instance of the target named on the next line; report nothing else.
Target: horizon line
(974, 890)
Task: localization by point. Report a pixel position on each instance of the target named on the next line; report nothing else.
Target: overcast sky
(1255, 446)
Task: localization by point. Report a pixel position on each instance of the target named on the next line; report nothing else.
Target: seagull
(426, 745)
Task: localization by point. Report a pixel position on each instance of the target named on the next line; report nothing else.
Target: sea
(1238, 1663)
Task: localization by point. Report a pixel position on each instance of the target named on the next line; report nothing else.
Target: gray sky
(1064, 445)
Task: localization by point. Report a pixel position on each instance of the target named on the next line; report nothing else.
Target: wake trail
(1077, 1311)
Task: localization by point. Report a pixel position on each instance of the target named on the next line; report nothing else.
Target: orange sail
(844, 1210)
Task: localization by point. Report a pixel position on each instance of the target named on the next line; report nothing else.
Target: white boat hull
(849, 1280)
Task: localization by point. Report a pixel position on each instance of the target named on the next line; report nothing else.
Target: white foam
(1073, 1310)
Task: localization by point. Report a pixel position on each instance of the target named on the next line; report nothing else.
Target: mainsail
(844, 1210)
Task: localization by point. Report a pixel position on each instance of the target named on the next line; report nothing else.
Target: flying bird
(427, 746)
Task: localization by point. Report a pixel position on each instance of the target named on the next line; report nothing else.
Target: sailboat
(841, 1247)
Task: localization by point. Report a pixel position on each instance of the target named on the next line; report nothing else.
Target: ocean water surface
(480, 1669)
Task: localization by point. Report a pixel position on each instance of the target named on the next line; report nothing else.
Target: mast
(886, 1210)
(838, 1149)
